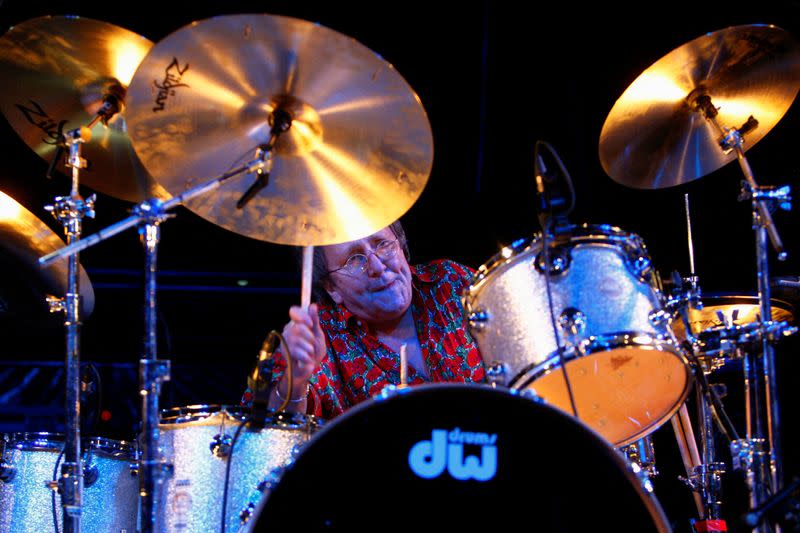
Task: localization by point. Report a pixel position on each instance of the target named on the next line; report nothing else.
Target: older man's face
(382, 292)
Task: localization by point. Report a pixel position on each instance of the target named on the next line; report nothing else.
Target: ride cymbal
(654, 137)
(23, 239)
(58, 72)
(357, 148)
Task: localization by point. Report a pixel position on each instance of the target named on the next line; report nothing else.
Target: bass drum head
(458, 456)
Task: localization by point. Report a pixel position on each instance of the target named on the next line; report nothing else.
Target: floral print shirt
(358, 365)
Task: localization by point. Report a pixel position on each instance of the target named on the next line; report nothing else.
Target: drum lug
(572, 321)
(7, 473)
(497, 373)
(247, 513)
(90, 475)
(221, 445)
(133, 468)
(558, 258)
(478, 318)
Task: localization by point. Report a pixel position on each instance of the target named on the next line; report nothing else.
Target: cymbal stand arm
(137, 217)
(69, 211)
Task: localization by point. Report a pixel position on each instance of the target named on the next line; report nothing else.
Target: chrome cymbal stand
(759, 454)
(69, 211)
(152, 371)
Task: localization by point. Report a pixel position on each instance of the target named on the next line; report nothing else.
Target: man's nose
(375, 266)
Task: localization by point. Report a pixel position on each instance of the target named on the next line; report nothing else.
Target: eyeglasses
(357, 263)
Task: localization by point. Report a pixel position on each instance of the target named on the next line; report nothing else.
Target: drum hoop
(600, 343)
(54, 442)
(574, 235)
(184, 415)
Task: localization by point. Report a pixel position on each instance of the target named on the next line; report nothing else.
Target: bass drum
(460, 457)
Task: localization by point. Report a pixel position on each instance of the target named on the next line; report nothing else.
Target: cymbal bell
(23, 239)
(737, 309)
(58, 72)
(355, 155)
(655, 137)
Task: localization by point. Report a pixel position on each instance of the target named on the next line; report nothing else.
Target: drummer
(370, 303)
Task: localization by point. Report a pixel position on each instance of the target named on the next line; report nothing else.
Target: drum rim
(578, 233)
(52, 441)
(606, 342)
(186, 414)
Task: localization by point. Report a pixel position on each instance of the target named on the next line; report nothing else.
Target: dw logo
(429, 458)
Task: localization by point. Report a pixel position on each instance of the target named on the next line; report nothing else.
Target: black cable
(714, 402)
(53, 495)
(228, 473)
(545, 220)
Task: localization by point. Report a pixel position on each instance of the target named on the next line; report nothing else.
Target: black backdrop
(494, 77)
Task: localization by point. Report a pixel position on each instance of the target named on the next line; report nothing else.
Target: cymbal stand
(152, 371)
(69, 211)
(759, 453)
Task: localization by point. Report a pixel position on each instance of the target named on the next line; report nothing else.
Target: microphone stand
(759, 453)
(152, 371)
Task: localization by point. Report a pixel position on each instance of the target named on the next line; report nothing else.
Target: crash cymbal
(737, 309)
(56, 73)
(654, 138)
(356, 155)
(23, 239)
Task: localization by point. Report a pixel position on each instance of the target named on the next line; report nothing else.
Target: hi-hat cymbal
(731, 310)
(356, 156)
(56, 73)
(654, 138)
(23, 239)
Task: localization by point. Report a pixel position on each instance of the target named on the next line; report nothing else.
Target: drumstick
(685, 446)
(687, 427)
(305, 288)
(689, 234)
(403, 366)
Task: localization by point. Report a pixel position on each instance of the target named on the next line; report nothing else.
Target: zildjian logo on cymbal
(172, 78)
(39, 118)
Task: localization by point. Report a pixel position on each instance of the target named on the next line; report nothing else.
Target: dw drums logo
(429, 458)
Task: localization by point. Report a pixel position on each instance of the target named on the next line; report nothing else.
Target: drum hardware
(719, 77)
(152, 372)
(642, 456)
(783, 507)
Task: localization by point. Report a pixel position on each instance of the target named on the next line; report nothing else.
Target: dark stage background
(494, 78)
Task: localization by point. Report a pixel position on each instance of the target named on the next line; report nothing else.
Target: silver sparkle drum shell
(110, 494)
(193, 438)
(626, 375)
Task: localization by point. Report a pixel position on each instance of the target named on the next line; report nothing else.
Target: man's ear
(332, 291)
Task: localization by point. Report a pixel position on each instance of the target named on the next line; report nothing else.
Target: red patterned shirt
(358, 365)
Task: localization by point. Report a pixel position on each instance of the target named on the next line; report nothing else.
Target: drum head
(458, 456)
